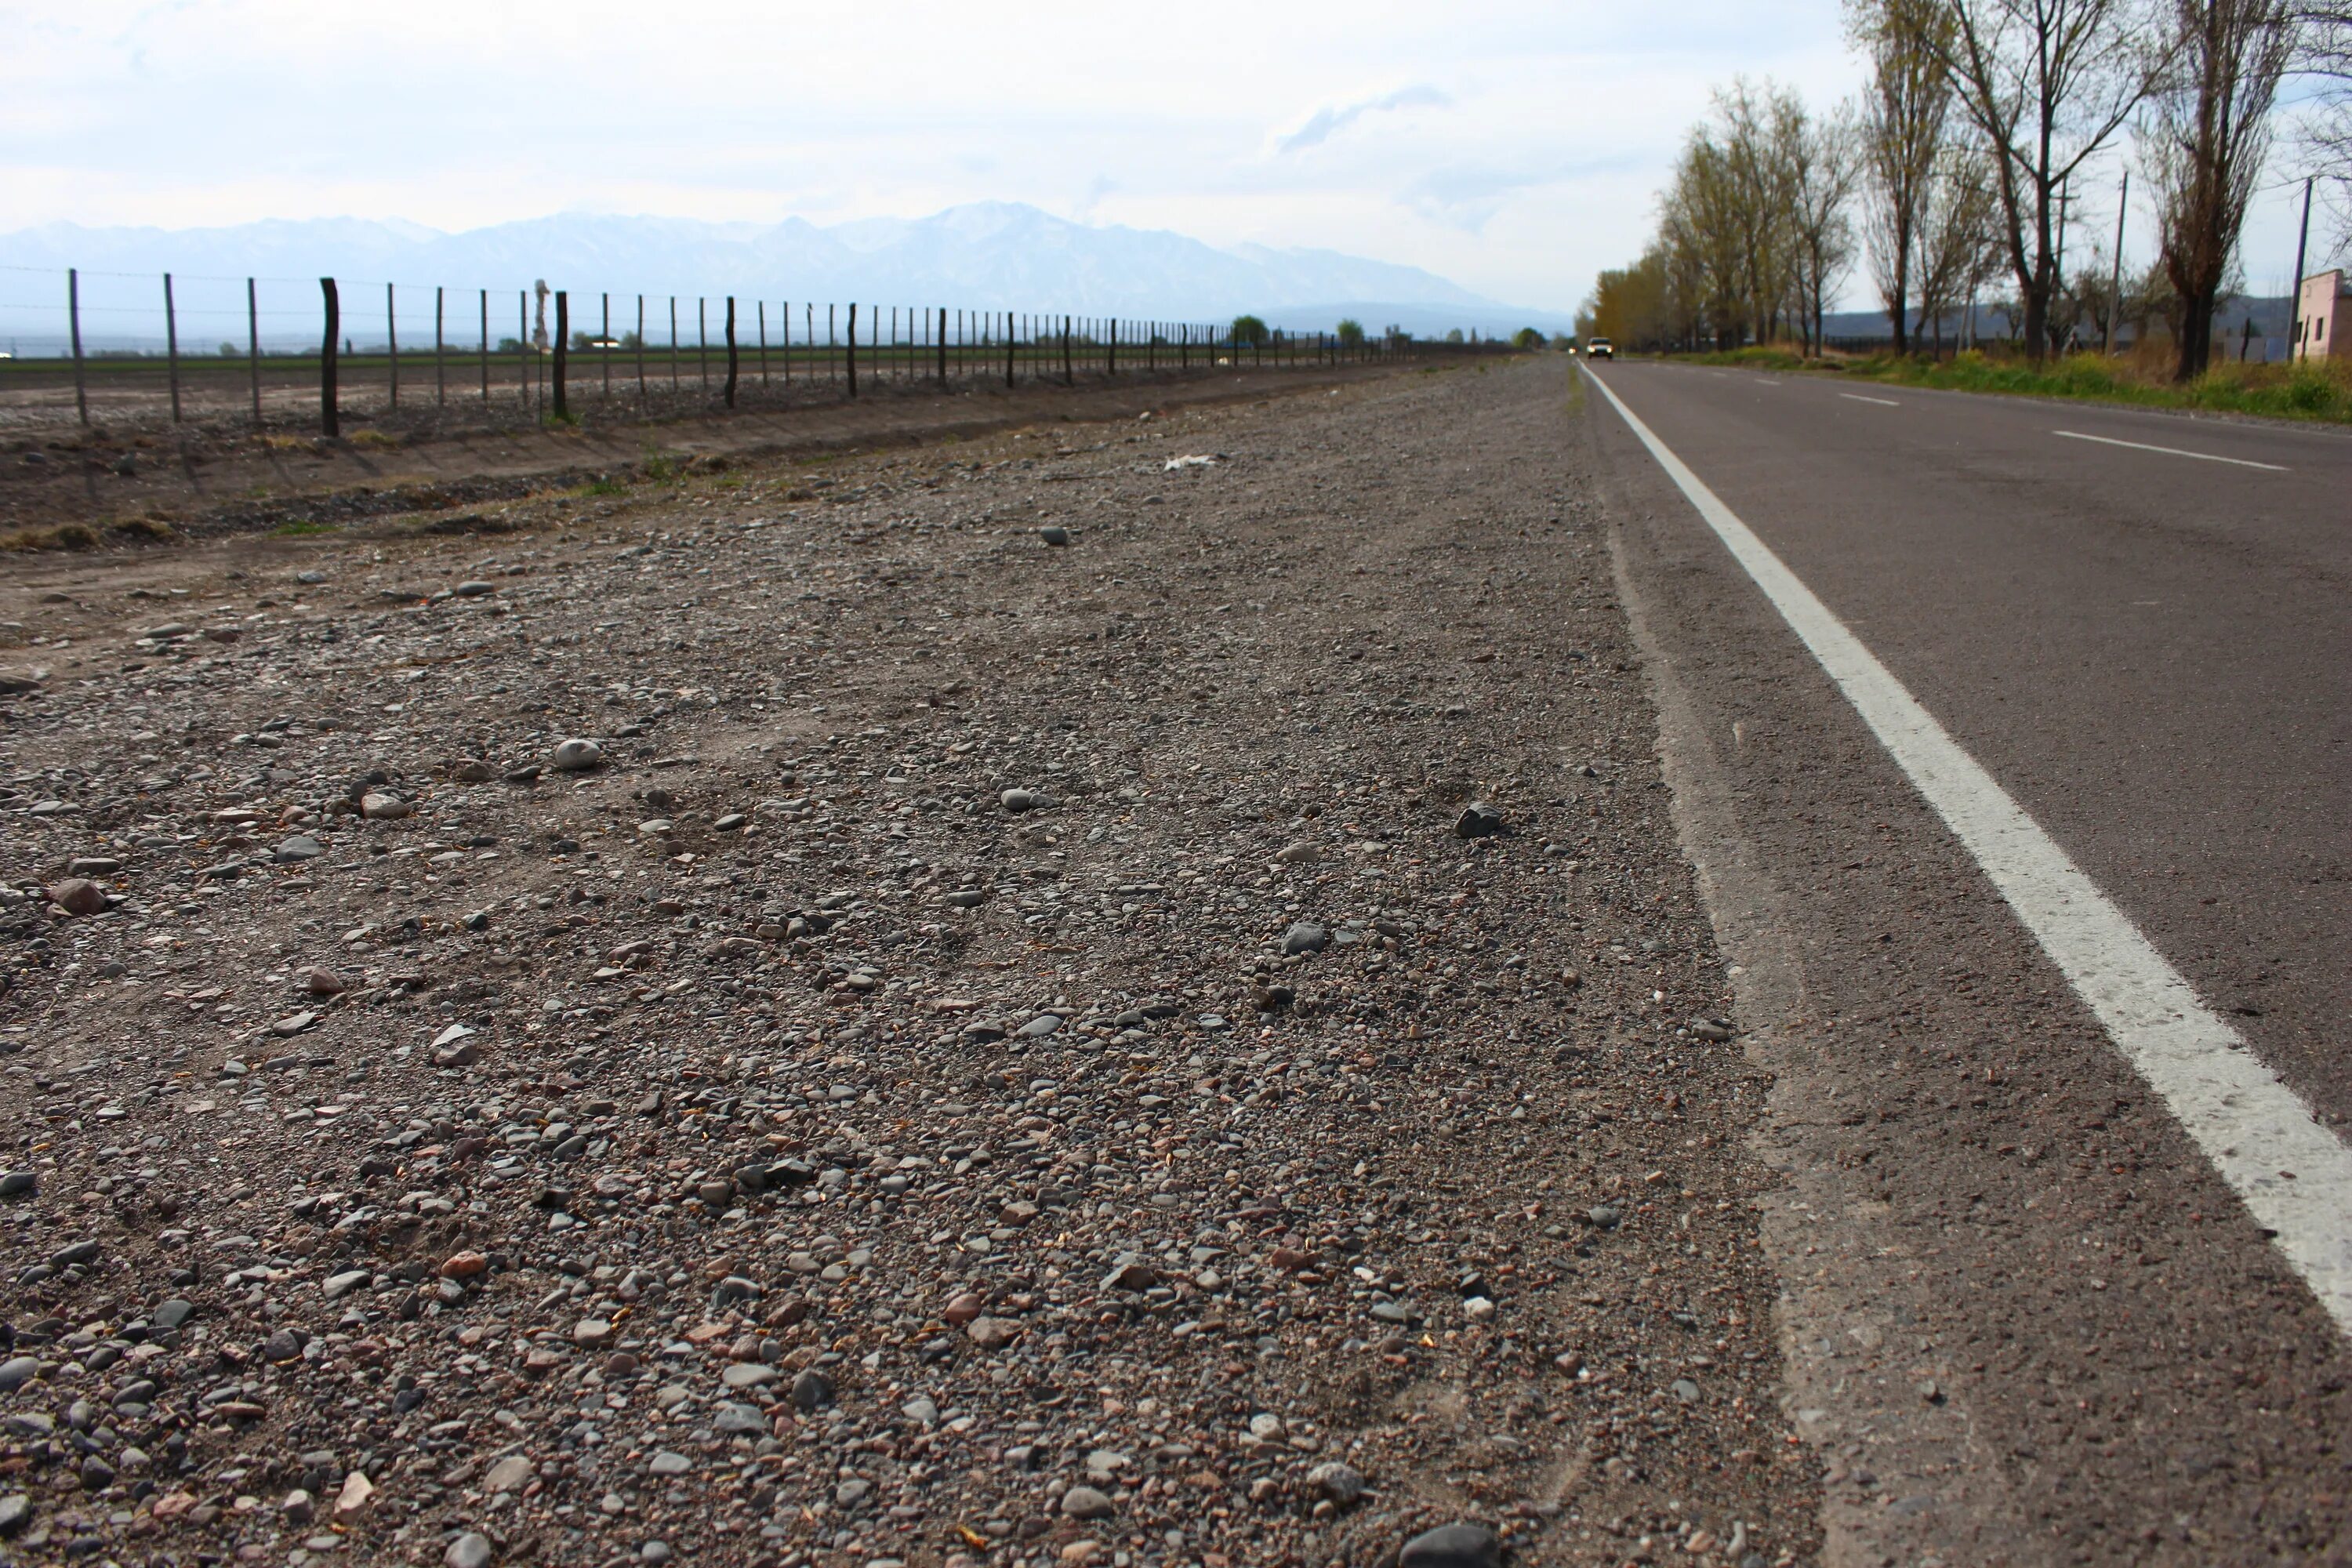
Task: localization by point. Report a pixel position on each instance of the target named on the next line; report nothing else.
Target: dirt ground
(135, 467)
(1019, 1048)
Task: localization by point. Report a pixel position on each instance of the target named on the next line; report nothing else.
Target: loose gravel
(799, 1017)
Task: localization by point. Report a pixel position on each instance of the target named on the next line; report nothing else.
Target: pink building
(2321, 327)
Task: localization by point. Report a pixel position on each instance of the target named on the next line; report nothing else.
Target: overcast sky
(1513, 147)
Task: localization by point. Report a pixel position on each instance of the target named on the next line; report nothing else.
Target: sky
(1512, 146)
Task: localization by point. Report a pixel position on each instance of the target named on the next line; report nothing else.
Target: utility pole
(2116, 284)
(2294, 285)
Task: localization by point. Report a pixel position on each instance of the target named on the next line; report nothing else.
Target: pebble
(471, 1550)
(299, 847)
(384, 806)
(1053, 534)
(78, 896)
(1478, 820)
(1086, 1502)
(1453, 1546)
(1305, 938)
(576, 755)
(1021, 800)
(16, 1372)
(811, 1390)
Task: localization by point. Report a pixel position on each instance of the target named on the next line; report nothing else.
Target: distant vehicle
(1598, 347)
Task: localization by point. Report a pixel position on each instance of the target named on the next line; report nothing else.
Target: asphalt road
(2030, 1320)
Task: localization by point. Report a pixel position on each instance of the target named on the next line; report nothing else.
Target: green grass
(301, 527)
(2304, 391)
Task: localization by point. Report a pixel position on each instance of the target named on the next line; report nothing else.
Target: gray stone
(15, 1510)
(738, 1420)
(20, 1185)
(1453, 1546)
(172, 1313)
(511, 1474)
(474, 590)
(1020, 800)
(1053, 534)
(1086, 1502)
(1038, 1027)
(577, 755)
(811, 1390)
(16, 1372)
(1305, 938)
(1478, 820)
(301, 847)
(669, 1463)
(381, 805)
(471, 1550)
(343, 1284)
(1343, 1484)
(922, 1408)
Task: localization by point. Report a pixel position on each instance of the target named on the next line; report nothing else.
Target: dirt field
(1020, 1050)
(135, 469)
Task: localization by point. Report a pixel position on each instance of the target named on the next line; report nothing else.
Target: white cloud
(1327, 123)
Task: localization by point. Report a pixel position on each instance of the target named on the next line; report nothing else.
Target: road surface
(2033, 1318)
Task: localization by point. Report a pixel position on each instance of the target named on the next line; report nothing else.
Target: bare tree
(2206, 139)
(2047, 84)
(2323, 56)
(1754, 130)
(1904, 108)
(1824, 158)
(1958, 237)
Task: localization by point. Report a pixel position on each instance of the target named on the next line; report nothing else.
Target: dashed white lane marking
(1881, 402)
(2293, 1174)
(2171, 451)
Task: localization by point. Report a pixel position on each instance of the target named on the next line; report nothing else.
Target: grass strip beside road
(2310, 392)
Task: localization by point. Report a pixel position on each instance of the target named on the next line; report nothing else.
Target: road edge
(1838, 1329)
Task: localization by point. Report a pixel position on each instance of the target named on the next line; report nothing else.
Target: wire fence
(282, 352)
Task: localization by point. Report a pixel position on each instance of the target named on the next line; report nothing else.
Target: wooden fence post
(853, 350)
(391, 341)
(486, 346)
(330, 420)
(641, 351)
(731, 350)
(526, 373)
(563, 346)
(943, 345)
(673, 345)
(73, 325)
(1069, 377)
(253, 346)
(764, 343)
(440, 368)
(604, 345)
(171, 346)
(702, 342)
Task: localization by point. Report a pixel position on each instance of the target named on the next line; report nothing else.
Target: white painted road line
(2170, 451)
(2293, 1174)
(1881, 402)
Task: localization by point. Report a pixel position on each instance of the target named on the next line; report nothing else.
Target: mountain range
(984, 256)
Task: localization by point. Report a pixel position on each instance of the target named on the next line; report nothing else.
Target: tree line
(1953, 173)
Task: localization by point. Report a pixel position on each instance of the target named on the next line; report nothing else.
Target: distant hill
(988, 256)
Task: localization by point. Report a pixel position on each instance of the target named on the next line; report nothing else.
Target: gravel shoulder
(1006, 1057)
